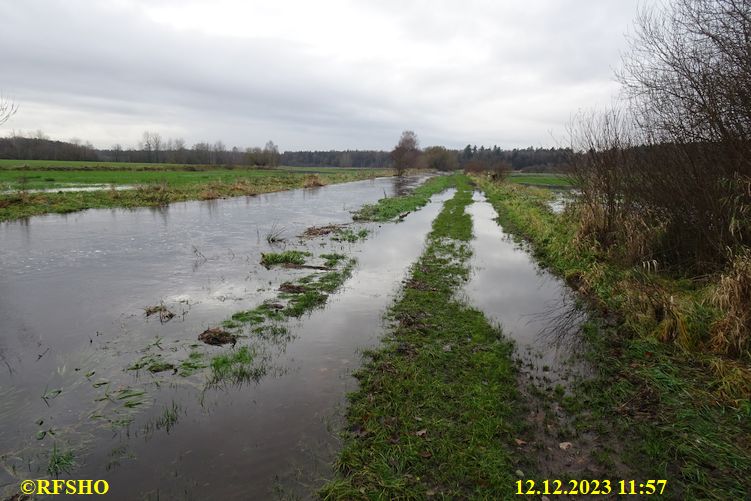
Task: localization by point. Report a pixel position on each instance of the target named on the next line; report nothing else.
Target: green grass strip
(436, 410)
(387, 208)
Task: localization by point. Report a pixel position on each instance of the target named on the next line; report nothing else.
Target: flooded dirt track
(535, 308)
(73, 290)
(538, 311)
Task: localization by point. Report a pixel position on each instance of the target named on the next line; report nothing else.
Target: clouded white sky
(310, 75)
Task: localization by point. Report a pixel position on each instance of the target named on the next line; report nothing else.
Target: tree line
(153, 148)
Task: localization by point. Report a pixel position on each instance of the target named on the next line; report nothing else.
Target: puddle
(534, 308)
(561, 199)
(537, 311)
(74, 289)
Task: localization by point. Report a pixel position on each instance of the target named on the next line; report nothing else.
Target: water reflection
(533, 307)
(74, 290)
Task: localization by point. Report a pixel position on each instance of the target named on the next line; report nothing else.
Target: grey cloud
(107, 64)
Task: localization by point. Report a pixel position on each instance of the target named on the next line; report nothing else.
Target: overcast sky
(310, 74)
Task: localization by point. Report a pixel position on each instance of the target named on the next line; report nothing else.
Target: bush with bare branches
(671, 170)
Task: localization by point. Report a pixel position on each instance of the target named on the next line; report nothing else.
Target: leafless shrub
(666, 176)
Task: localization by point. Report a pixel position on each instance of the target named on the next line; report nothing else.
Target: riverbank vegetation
(677, 405)
(436, 410)
(151, 188)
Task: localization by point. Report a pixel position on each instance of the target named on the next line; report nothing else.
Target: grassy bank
(387, 209)
(137, 174)
(540, 179)
(680, 413)
(157, 188)
(435, 412)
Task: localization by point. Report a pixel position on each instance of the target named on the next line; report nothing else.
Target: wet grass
(60, 461)
(350, 235)
(436, 411)
(50, 174)
(154, 187)
(236, 367)
(680, 413)
(387, 209)
(332, 259)
(312, 292)
(541, 179)
(286, 257)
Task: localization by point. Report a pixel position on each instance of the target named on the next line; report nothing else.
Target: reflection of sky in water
(72, 292)
(512, 290)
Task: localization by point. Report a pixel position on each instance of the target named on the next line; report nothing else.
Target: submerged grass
(680, 413)
(286, 257)
(236, 367)
(60, 461)
(350, 235)
(436, 408)
(387, 209)
(311, 291)
(332, 259)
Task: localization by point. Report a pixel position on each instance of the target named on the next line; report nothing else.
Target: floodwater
(73, 289)
(75, 188)
(539, 313)
(533, 307)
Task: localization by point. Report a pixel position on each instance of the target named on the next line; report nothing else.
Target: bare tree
(669, 177)
(179, 145)
(406, 153)
(152, 145)
(7, 109)
(271, 154)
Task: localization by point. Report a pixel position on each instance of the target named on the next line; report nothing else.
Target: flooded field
(74, 330)
(104, 376)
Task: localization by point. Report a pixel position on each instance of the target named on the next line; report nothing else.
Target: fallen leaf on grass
(565, 445)
(520, 442)
(421, 433)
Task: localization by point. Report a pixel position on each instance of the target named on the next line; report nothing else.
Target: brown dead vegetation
(165, 315)
(216, 336)
(313, 181)
(291, 288)
(731, 334)
(319, 231)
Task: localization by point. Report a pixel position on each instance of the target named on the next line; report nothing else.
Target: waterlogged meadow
(190, 319)
(336, 342)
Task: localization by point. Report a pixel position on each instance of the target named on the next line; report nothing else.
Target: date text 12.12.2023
(590, 487)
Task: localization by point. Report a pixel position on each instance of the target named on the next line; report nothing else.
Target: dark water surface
(72, 295)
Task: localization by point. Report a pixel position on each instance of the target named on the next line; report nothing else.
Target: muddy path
(73, 318)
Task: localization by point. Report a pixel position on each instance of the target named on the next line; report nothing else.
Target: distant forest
(154, 150)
